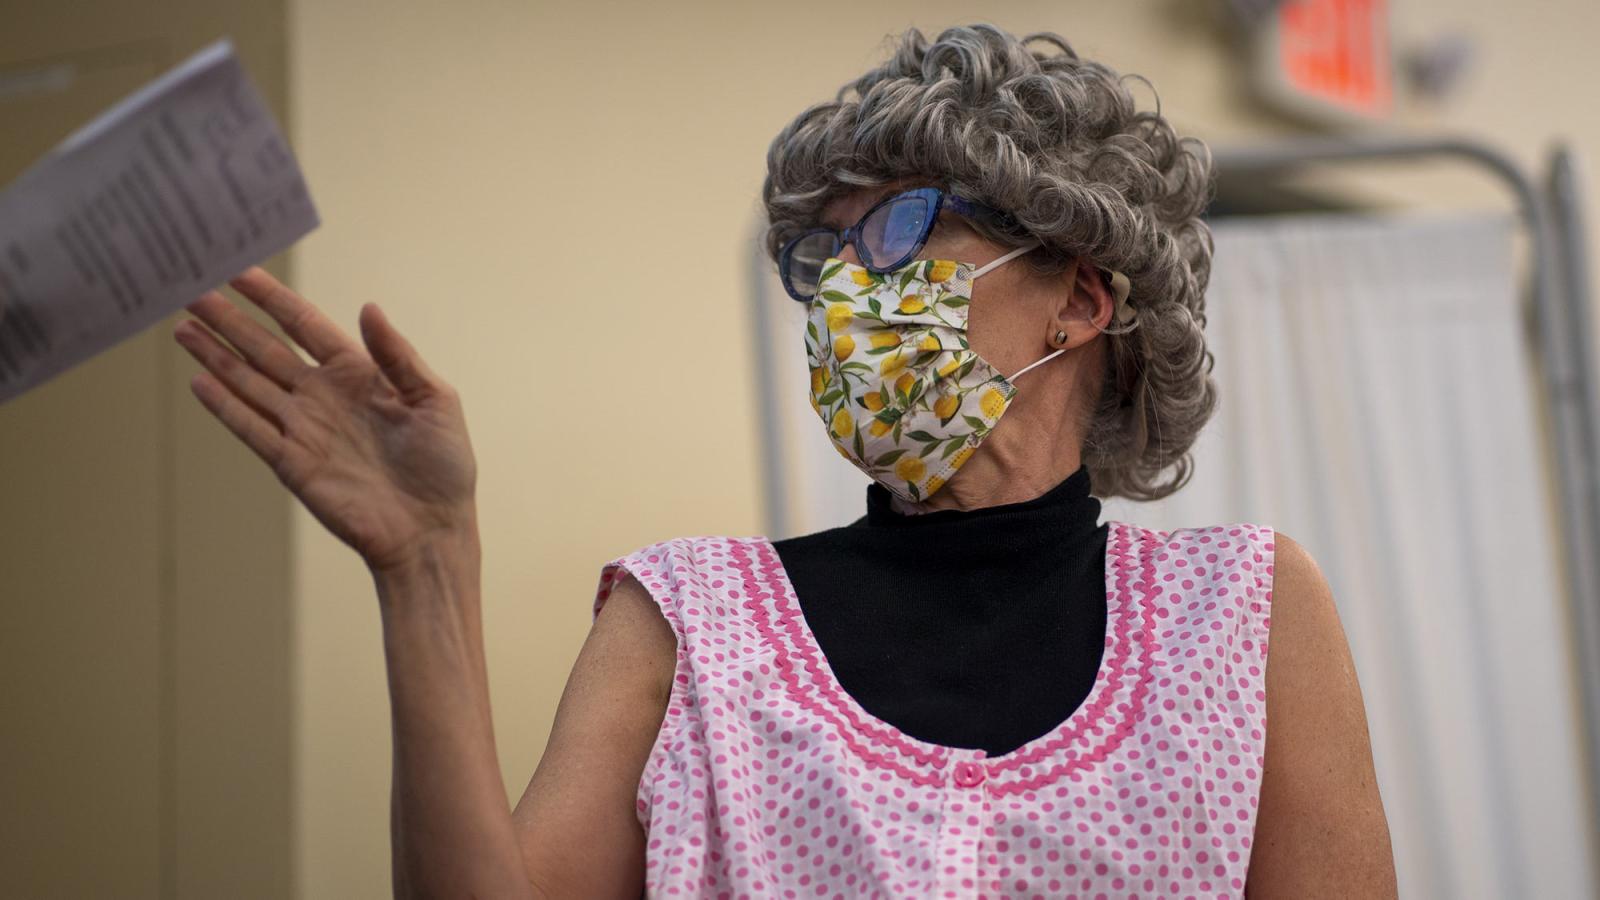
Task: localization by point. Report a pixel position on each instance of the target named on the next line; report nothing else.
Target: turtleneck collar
(1068, 504)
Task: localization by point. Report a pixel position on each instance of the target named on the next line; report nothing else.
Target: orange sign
(1336, 53)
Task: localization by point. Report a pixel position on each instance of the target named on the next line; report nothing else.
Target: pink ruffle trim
(785, 634)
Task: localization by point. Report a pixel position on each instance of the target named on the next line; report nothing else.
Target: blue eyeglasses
(890, 235)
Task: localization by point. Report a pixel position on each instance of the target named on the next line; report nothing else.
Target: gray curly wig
(1054, 140)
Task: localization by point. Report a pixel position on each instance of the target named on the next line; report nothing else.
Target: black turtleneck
(975, 628)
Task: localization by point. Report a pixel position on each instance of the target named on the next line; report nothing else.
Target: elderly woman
(977, 688)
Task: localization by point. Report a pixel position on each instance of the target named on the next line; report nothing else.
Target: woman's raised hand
(370, 439)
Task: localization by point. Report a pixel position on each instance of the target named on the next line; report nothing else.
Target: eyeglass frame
(851, 236)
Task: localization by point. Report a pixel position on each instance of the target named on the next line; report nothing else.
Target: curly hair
(1054, 140)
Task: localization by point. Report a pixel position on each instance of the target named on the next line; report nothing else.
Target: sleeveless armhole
(651, 568)
(1264, 540)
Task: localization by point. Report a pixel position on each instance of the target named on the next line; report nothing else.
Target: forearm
(451, 826)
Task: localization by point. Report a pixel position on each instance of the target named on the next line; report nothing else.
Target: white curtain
(1377, 405)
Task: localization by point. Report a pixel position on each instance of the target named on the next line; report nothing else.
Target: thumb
(394, 354)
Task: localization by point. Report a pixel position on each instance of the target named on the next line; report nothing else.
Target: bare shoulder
(577, 821)
(632, 621)
(1320, 827)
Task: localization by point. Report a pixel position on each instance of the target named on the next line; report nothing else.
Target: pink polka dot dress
(769, 780)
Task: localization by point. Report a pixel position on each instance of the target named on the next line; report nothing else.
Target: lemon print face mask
(892, 378)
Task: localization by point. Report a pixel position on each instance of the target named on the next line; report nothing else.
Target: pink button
(968, 774)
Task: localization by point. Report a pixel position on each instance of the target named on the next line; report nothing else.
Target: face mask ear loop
(1006, 258)
(1041, 362)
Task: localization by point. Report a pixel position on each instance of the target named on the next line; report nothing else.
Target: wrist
(445, 559)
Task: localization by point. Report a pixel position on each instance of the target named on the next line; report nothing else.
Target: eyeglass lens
(806, 259)
(890, 233)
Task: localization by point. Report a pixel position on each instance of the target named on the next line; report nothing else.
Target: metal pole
(1571, 253)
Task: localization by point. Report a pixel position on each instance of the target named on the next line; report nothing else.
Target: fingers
(261, 347)
(400, 361)
(244, 382)
(248, 425)
(299, 318)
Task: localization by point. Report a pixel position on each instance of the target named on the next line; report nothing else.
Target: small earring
(1061, 337)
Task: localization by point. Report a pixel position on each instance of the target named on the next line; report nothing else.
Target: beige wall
(472, 160)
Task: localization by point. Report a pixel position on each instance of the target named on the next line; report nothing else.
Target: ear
(1088, 303)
